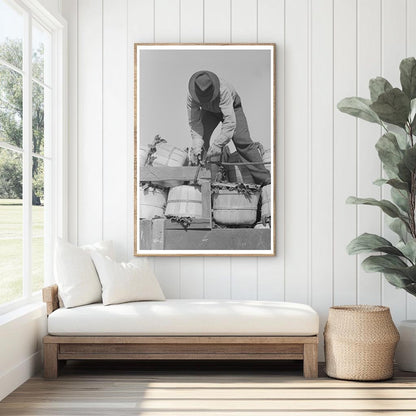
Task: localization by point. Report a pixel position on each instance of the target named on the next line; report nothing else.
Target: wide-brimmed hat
(204, 86)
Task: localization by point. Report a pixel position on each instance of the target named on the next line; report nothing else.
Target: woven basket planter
(360, 342)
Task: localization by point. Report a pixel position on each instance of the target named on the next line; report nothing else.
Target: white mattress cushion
(187, 317)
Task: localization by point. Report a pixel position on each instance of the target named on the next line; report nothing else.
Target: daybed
(181, 329)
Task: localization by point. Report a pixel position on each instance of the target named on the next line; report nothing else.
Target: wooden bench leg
(50, 360)
(310, 360)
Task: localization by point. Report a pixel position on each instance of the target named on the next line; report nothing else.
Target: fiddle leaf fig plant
(394, 109)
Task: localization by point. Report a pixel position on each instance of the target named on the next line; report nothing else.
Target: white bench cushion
(187, 317)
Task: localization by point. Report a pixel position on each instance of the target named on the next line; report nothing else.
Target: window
(31, 140)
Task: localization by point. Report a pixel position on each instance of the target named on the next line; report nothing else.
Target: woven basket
(360, 342)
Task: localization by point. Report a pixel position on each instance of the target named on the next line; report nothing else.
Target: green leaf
(410, 272)
(412, 109)
(398, 184)
(388, 207)
(397, 280)
(412, 115)
(400, 198)
(401, 137)
(366, 243)
(390, 173)
(359, 107)
(411, 289)
(404, 173)
(400, 228)
(378, 86)
(408, 77)
(392, 107)
(408, 249)
(409, 158)
(380, 182)
(395, 183)
(381, 263)
(414, 126)
(395, 270)
(389, 151)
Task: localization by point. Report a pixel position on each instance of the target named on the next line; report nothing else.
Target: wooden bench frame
(58, 349)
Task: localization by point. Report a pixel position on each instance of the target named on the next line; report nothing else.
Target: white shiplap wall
(326, 50)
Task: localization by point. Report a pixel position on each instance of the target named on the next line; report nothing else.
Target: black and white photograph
(204, 149)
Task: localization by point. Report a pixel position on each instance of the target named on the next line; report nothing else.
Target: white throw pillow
(126, 282)
(75, 273)
(104, 247)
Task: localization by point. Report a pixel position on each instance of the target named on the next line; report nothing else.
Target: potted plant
(394, 109)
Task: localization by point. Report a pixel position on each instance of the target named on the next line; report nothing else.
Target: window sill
(35, 306)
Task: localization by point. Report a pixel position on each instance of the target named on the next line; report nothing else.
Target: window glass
(11, 106)
(38, 118)
(41, 45)
(11, 226)
(11, 34)
(38, 223)
(26, 219)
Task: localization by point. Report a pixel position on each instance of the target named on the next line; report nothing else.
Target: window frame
(57, 226)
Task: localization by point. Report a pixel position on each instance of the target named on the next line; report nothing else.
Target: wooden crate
(163, 234)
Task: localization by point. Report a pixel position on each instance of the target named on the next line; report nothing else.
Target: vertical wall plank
(345, 151)
(296, 152)
(167, 14)
(217, 27)
(70, 12)
(192, 21)
(192, 278)
(217, 278)
(321, 166)
(140, 30)
(217, 21)
(244, 21)
(168, 273)
(411, 28)
(115, 157)
(244, 278)
(167, 29)
(244, 29)
(393, 51)
(411, 51)
(271, 29)
(90, 185)
(192, 31)
(369, 168)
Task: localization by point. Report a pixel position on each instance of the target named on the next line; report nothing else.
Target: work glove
(214, 151)
(195, 156)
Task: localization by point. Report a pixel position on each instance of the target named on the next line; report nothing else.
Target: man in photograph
(212, 100)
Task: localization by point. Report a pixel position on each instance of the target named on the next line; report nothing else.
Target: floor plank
(226, 389)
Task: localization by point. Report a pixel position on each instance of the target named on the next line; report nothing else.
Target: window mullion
(27, 157)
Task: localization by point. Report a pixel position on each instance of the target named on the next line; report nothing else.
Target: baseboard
(10, 380)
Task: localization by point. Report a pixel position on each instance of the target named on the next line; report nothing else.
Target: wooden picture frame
(221, 204)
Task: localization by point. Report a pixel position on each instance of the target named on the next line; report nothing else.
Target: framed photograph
(204, 131)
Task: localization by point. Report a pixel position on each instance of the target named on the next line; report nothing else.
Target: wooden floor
(226, 389)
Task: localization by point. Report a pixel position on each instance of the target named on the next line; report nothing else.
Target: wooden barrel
(168, 155)
(143, 151)
(238, 174)
(266, 209)
(267, 158)
(152, 202)
(233, 208)
(184, 201)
